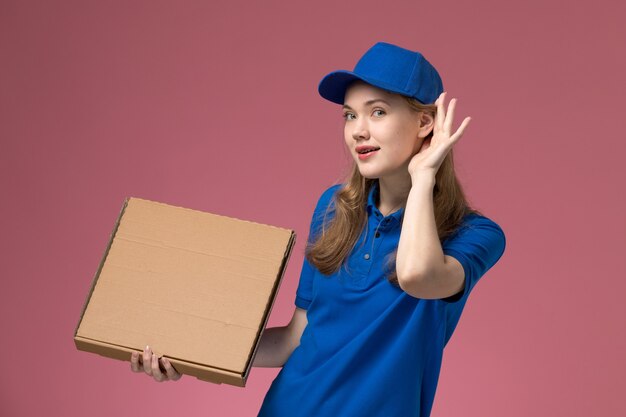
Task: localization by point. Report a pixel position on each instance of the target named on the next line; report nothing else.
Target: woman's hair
(339, 236)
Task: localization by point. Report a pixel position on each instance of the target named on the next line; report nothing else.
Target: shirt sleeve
(304, 293)
(477, 245)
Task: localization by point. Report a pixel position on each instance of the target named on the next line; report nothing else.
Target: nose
(360, 130)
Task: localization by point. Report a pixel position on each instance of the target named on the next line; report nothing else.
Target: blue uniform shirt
(369, 348)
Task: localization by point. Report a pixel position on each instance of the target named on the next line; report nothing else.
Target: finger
(134, 362)
(447, 125)
(169, 370)
(457, 135)
(441, 112)
(156, 372)
(147, 359)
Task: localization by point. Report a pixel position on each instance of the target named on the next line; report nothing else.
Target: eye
(379, 112)
(348, 116)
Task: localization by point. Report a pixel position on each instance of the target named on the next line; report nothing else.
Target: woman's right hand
(149, 363)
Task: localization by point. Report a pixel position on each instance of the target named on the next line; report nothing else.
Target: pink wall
(213, 106)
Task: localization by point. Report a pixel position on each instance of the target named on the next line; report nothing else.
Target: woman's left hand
(433, 151)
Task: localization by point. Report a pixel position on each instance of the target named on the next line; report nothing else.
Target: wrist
(423, 178)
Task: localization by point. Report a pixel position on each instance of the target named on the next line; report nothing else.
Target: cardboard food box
(198, 288)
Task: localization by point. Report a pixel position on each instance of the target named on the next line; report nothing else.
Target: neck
(393, 194)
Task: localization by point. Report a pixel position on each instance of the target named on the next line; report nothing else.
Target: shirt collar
(373, 195)
(371, 198)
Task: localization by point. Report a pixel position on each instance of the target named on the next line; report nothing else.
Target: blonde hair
(338, 238)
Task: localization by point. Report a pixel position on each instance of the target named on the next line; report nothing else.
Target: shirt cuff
(302, 302)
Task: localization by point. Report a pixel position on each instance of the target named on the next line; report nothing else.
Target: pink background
(214, 106)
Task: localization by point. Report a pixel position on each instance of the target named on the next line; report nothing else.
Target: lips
(366, 149)
(365, 152)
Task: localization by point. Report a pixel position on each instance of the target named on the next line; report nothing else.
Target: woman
(392, 256)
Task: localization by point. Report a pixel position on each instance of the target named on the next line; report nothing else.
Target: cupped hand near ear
(433, 151)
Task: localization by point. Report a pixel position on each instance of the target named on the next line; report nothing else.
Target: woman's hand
(149, 363)
(433, 151)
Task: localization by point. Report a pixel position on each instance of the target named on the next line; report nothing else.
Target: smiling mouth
(367, 151)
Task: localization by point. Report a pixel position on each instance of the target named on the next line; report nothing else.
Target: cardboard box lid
(195, 286)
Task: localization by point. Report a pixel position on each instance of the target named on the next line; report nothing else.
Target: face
(375, 118)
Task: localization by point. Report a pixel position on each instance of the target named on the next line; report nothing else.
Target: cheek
(347, 141)
(406, 148)
(418, 144)
(347, 136)
(411, 140)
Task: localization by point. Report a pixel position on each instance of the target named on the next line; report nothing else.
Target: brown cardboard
(198, 288)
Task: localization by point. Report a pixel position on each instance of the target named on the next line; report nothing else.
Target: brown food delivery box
(198, 288)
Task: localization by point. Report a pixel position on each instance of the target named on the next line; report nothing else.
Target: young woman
(392, 256)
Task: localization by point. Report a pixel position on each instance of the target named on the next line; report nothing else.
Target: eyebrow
(368, 103)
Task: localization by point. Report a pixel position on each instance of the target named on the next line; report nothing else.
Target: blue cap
(391, 68)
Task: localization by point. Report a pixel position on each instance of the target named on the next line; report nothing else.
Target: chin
(369, 175)
(377, 174)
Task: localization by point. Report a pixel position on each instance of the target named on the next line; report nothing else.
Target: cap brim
(334, 85)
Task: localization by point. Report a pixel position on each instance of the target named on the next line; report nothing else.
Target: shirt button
(366, 256)
(377, 234)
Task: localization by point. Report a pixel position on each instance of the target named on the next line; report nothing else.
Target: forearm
(419, 249)
(274, 349)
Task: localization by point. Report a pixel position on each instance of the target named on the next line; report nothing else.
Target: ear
(427, 124)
